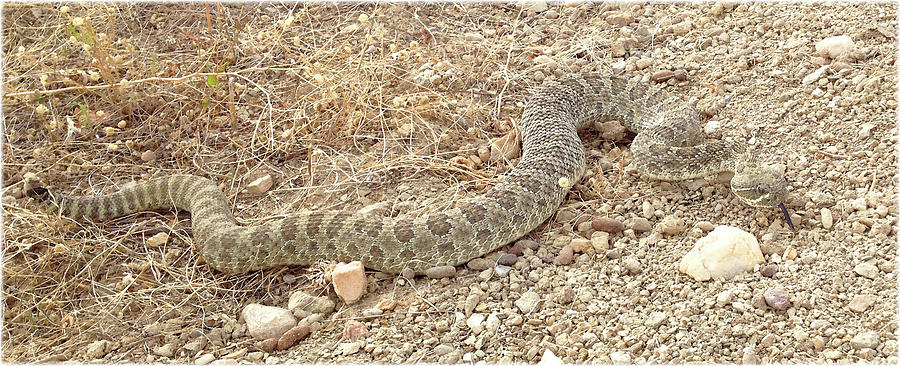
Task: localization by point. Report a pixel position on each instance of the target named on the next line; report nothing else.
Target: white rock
(827, 218)
(712, 127)
(475, 323)
(620, 357)
(724, 253)
(492, 323)
(528, 302)
(349, 281)
(655, 319)
(867, 339)
(866, 270)
(833, 47)
(549, 359)
(725, 297)
(260, 185)
(815, 75)
(861, 302)
(349, 348)
(264, 322)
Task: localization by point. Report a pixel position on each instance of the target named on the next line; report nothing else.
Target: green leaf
(205, 102)
(39, 98)
(85, 115)
(212, 80)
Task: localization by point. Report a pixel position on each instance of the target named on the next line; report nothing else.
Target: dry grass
(323, 97)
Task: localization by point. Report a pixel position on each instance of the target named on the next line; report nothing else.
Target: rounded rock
(507, 259)
(566, 256)
(292, 336)
(769, 270)
(479, 264)
(440, 272)
(778, 299)
(608, 225)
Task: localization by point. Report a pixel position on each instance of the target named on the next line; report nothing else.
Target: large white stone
(724, 253)
(833, 47)
(264, 322)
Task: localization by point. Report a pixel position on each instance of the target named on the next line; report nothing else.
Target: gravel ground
(435, 88)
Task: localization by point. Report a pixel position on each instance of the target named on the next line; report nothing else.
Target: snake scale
(668, 145)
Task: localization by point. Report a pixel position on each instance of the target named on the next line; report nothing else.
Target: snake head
(759, 185)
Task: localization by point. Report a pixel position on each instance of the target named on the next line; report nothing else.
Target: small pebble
(260, 185)
(655, 319)
(620, 19)
(528, 302)
(474, 322)
(372, 312)
(97, 349)
(502, 270)
(607, 225)
(614, 253)
(292, 336)
(349, 281)
(866, 270)
(600, 241)
(827, 219)
(672, 225)
(408, 273)
(479, 264)
(386, 305)
(157, 240)
(440, 272)
(354, 330)
(267, 345)
(778, 299)
(166, 350)
(865, 339)
(706, 226)
(641, 224)
(530, 244)
(724, 298)
(861, 302)
(566, 256)
(580, 245)
(769, 270)
(148, 156)
(507, 259)
(632, 265)
(758, 301)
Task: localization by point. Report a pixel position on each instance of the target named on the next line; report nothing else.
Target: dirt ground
(350, 104)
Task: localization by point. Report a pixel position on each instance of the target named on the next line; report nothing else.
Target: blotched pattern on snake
(668, 145)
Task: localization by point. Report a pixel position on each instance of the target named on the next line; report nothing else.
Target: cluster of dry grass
(98, 95)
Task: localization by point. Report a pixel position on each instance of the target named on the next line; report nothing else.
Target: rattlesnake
(667, 146)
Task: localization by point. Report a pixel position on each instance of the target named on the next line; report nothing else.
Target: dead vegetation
(323, 96)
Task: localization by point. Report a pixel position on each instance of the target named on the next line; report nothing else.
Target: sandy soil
(352, 104)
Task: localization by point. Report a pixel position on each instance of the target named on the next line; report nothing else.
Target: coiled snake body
(667, 146)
